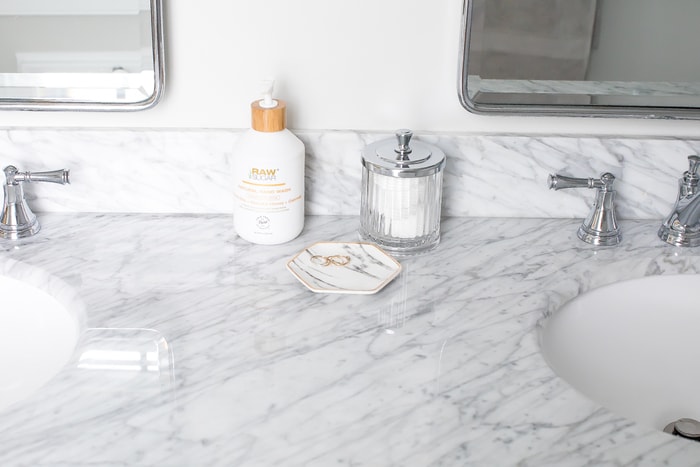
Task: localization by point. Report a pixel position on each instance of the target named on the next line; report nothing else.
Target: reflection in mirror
(581, 57)
(80, 54)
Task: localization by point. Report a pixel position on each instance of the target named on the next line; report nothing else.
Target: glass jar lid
(401, 158)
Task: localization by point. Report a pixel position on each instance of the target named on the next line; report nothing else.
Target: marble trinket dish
(337, 267)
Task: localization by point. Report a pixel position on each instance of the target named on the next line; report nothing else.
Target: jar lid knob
(404, 137)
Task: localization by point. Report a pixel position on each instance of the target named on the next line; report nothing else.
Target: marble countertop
(442, 367)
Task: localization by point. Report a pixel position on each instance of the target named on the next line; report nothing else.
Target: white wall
(362, 64)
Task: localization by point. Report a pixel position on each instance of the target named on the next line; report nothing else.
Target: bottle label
(263, 190)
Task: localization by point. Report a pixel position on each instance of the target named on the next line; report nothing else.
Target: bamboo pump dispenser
(268, 167)
(268, 119)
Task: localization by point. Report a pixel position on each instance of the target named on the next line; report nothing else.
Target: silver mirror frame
(648, 112)
(157, 41)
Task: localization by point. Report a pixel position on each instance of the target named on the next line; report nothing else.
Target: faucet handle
(17, 219)
(690, 179)
(13, 176)
(600, 227)
(694, 163)
(561, 182)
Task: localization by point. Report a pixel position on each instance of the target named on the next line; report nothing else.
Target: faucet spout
(682, 226)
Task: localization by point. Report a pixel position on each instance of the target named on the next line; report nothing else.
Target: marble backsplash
(188, 171)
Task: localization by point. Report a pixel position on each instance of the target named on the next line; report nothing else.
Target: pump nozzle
(267, 102)
(268, 114)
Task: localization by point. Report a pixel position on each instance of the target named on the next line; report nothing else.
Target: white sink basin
(633, 347)
(38, 334)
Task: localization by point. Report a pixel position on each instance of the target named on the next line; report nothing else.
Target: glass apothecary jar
(401, 194)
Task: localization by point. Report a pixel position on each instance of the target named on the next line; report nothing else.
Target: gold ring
(322, 260)
(335, 260)
(339, 260)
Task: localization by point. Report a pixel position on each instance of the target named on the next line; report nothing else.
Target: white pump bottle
(268, 170)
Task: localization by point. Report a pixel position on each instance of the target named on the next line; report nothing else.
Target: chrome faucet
(600, 227)
(682, 226)
(17, 219)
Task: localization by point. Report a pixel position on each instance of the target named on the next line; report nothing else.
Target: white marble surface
(478, 84)
(441, 368)
(188, 171)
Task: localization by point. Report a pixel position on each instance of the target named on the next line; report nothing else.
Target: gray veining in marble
(176, 171)
(441, 368)
(579, 87)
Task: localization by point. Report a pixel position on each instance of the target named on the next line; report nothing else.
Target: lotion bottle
(268, 170)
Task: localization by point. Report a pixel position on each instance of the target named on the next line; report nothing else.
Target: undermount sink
(38, 334)
(633, 347)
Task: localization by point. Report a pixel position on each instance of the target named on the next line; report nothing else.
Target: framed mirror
(101, 55)
(631, 58)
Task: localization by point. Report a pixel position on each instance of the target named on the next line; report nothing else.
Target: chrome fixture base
(18, 220)
(599, 238)
(682, 226)
(685, 428)
(600, 227)
(10, 232)
(676, 237)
